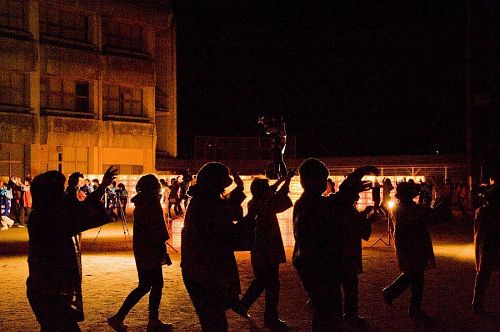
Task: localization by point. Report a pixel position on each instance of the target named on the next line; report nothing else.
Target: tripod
(122, 218)
(389, 233)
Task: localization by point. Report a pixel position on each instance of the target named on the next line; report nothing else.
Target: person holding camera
(150, 252)
(54, 284)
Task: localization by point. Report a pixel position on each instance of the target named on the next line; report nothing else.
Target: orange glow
(463, 252)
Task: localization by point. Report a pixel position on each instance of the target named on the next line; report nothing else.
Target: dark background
(350, 78)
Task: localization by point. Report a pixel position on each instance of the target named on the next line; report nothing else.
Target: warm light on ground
(463, 252)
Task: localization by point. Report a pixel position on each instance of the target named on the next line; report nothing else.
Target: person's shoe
(117, 324)
(420, 318)
(387, 299)
(275, 324)
(241, 310)
(483, 313)
(4, 228)
(359, 321)
(157, 325)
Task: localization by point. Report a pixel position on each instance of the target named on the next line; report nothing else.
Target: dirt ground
(110, 274)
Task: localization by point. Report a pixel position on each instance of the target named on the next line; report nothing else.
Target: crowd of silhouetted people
(327, 255)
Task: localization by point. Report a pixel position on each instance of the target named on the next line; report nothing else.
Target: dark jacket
(54, 258)
(487, 233)
(207, 244)
(268, 247)
(150, 231)
(413, 242)
(316, 230)
(354, 227)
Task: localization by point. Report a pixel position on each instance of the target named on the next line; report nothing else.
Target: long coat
(413, 241)
(207, 245)
(268, 247)
(54, 258)
(354, 226)
(487, 234)
(150, 231)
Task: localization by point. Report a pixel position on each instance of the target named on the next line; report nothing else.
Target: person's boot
(387, 298)
(117, 324)
(275, 324)
(241, 310)
(420, 318)
(157, 325)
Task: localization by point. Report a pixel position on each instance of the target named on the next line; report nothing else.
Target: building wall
(85, 85)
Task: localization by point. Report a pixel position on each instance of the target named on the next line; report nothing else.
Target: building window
(122, 36)
(12, 15)
(122, 101)
(12, 89)
(60, 24)
(64, 95)
(161, 102)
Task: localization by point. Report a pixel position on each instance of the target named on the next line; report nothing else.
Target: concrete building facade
(85, 85)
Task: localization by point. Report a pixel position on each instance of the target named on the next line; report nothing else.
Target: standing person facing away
(150, 235)
(487, 241)
(54, 285)
(268, 251)
(317, 231)
(208, 239)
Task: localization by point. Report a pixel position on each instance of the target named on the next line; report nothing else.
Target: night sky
(349, 77)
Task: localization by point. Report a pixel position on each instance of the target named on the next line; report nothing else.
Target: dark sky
(349, 77)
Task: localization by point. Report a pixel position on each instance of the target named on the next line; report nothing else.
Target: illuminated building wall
(85, 85)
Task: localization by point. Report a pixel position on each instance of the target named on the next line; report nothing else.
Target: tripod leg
(99, 231)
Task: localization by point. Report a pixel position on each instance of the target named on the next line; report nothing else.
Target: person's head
(47, 188)
(330, 183)
(260, 187)
(313, 175)
(162, 182)
(213, 177)
(75, 180)
(95, 182)
(147, 184)
(121, 186)
(406, 191)
(376, 184)
(86, 182)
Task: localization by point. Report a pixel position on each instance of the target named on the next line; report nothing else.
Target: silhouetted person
(276, 129)
(317, 231)
(268, 251)
(150, 235)
(122, 199)
(386, 194)
(425, 195)
(487, 241)
(414, 249)
(207, 259)
(173, 198)
(54, 285)
(330, 187)
(376, 198)
(354, 227)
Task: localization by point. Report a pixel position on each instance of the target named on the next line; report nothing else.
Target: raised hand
(237, 180)
(109, 176)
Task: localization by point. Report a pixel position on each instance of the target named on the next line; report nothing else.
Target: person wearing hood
(487, 241)
(209, 238)
(149, 241)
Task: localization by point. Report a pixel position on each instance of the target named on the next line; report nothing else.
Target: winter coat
(268, 246)
(354, 226)
(207, 246)
(316, 229)
(487, 234)
(413, 242)
(54, 258)
(150, 231)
